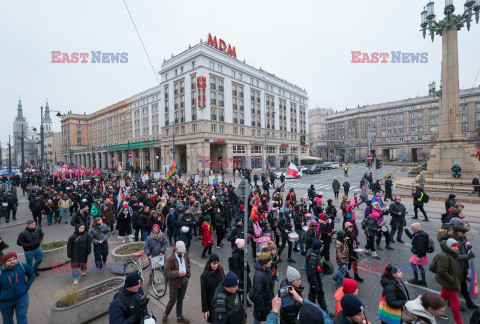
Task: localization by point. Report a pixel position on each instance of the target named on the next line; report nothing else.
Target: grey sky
(307, 42)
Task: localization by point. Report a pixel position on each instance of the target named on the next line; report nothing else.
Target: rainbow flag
(120, 197)
(119, 167)
(214, 179)
(387, 313)
(171, 171)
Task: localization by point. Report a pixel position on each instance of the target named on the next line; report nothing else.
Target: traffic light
(378, 164)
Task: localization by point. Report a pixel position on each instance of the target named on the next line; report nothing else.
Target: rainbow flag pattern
(388, 314)
(214, 179)
(171, 171)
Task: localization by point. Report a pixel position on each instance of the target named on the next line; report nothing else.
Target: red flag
(292, 170)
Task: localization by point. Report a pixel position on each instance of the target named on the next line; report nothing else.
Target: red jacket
(207, 234)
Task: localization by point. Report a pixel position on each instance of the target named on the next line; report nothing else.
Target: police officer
(227, 307)
(314, 275)
(237, 229)
(12, 205)
(186, 220)
(128, 306)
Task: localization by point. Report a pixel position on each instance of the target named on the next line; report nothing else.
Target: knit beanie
(230, 280)
(238, 219)
(313, 222)
(292, 274)
(317, 245)
(155, 229)
(255, 218)
(208, 218)
(264, 258)
(310, 314)
(351, 305)
(9, 255)
(240, 243)
(271, 246)
(242, 207)
(452, 242)
(460, 228)
(344, 197)
(348, 224)
(349, 285)
(132, 280)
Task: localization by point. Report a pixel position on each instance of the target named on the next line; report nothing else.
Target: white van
(334, 165)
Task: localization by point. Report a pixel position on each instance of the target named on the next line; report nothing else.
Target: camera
(284, 292)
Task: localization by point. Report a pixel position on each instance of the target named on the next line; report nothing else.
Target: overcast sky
(307, 42)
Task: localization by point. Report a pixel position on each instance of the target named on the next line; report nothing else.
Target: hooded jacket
(101, 233)
(263, 286)
(209, 282)
(15, 283)
(420, 243)
(415, 308)
(395, 209)
(79, 247)
(394, 295)
(289, 314)
(343, 255)
(448, 269)
(336, 185)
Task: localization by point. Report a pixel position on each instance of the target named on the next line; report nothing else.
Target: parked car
(335, 165)
(303, 168)
(326, 165)
(314, 169)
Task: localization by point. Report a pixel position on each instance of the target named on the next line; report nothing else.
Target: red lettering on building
(221, 45)
(283, 144)
(201, 86)
(221, 141)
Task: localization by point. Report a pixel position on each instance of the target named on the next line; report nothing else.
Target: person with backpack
(371, 227)
(100, 234)
(419, 199)
(15, 280)
(236, 264)
(420, 247)
(448, 275)
(127, 305)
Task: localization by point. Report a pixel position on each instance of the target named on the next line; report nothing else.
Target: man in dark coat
(418, 202)
(128, 298)
(272, 180)
(314, 276)
(37, 207)
(81, 217)
(475, 184)
(30, 239)
(388, 188)
(263, 286)
(397, 211)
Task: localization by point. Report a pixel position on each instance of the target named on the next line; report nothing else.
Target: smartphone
(287, 298)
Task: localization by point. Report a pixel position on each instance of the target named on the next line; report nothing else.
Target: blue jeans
(144, 235)
(255, 321)
(363, 200)
(76, 271)
(20, 307)
(37, 254)
(100, 252)
(63, 212)
(456, 175)
(340, 275)
(302, 248)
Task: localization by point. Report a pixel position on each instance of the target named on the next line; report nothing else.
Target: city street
(48, 284)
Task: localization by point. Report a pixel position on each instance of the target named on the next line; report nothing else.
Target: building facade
(318, 131)
(404, 129)
(221, 113)
(52, 149)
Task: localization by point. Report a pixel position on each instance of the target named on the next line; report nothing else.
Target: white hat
(292, 274)
(181, 247)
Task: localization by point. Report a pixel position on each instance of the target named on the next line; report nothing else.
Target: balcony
(194, 117)
(241, 94)
(258, 112)
(241, 108)
(234, 92)
(214, 117)
(258, 99)
(253, 111)
(182, 105)
(213, 101)
(182, 120)
(221, 103)
(194, 101)
(220, 88)
(235, 120)
(212, 86)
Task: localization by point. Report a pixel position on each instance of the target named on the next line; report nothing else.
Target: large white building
(225, 114)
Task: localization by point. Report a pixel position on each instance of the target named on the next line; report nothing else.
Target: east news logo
(396, 57)
(94, 56)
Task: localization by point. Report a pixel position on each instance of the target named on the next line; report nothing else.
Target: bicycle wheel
(131, 266)
(159, 282)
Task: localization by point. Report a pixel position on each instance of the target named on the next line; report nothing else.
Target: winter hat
(242, 207)
(313, 222)
(208, 218)
(351, 305)
(230, 280)
(317, 245)
(264, 258)
(349, 285)
(238, 219)
(125, 206)
(292, 274)
(316, 199)
(344, 197)
(155, 229)
(452, 242)
(451, 196)
(271, 246)
(181, 247)
(310, 314)
(374, 215)
(213, 258)
(133, 279)
(8, 256)
(348, 224)
(460, 228)
(240, 243)
(255, 218)
(140, 204)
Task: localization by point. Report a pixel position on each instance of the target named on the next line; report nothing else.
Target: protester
(397, 211)
(227, 308)
(30, 239)
(349, 286)
(15, 280)
(394, 290)
(156, 243)
(99, 235)
(177, 270)
(420, 243)
(343, 257)
(263, 286)
(424, 308)
(210, 279)
(336, 187)
(64, 208)
(314, 275)
(352, 311)
(78, 249)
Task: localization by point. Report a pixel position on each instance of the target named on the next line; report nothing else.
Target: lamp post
(9, 156)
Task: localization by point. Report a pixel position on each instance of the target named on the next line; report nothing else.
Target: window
(463, 100)
(193, 64)
(233, 74)
(235, 130)
(194, 128)
(464, 127)
(239, 149)
(464, 117)
(256, 149)
(283, 150)
(271, 149)
(242, 131)
(183, 130)
(219, 68)
(240, 76)
(212, 65)
(214, 128)
(220, 128)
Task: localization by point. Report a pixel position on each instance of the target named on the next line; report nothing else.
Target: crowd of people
(176, 213)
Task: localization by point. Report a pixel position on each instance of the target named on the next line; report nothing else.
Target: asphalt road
(369, 291)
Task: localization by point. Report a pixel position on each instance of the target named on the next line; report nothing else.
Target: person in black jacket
(397, 211)
(12, 201)
(211, 277)
(289, 314)
(394, 290)
(144, 222)
(299, 222)
(346, 187)
(331, 210)
(128, 305)
(314, 276)
(79, 247)
(263, 286)
(236, 231)
(285, 227)
(388, 188)
(450, 202)
(420, 242)
(418, 202)
(475, 185)
(37, 208)
(236, 264)
(219, 226)
(30, 239)
(82, 217)
(255, 178)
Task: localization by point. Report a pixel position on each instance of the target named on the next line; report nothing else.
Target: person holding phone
(293, 280)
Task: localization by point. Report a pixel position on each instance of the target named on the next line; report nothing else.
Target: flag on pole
(120, 197)
(104, 189)
(214, 179)
(119, 167)
(171, 171)
(292, 170)
(473, 289)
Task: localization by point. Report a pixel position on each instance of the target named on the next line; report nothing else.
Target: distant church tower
(47, 122)
(17, 133)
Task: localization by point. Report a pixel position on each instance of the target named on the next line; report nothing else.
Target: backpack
(433, 265)
(425, 198)
(364, 222)
(230, 263)
(431, 245)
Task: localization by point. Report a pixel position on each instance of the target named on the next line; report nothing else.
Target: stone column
(248, 154)
(229, 158)
(153, 154)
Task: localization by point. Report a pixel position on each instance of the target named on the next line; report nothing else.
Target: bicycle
(157, 278)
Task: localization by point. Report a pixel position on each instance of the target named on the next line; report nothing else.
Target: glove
(419, 259)
(471, 255)
(405, 228)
